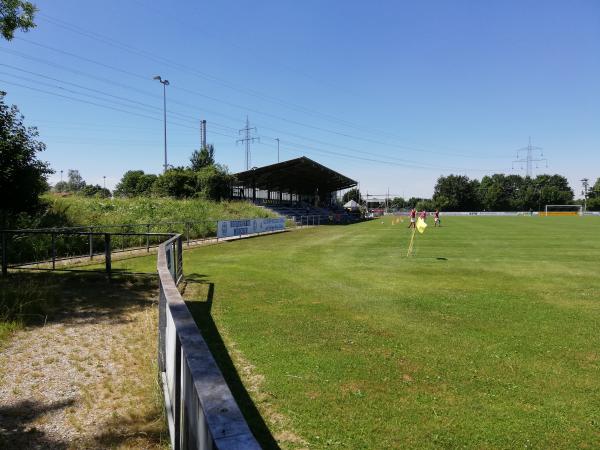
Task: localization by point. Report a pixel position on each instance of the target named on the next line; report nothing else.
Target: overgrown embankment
(165, 215)
(77, 211)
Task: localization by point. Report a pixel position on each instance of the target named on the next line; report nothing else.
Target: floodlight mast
(165, 83)
(586, 184)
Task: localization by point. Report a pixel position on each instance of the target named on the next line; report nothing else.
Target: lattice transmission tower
(247, 140)
(529, 155)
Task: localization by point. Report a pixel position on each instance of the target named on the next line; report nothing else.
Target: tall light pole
(165, 83)
(277, 139)
(104, 177)
(586, 184)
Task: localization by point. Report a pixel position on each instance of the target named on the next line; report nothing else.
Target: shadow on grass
(140, 432)
(37, 298)
(17, 429)
(201, 311)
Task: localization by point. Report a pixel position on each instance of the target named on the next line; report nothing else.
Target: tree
(178, 183)
(352, 194)
(203, 158)
(135, 183)
(75, 182)
(456, 193)
(16, 14)
(595, 190)
(500, 192)
(425, 204)
(554, 189)
(413, 201)
(213, 182)
(95, 191)
(61, 186)
(22, 175)
(397, 203)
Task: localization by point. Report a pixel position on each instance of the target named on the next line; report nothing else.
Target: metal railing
(310, 220)
(201, 411)
(191, 229)
(13, 242)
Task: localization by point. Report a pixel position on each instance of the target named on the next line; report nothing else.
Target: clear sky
(391, 93)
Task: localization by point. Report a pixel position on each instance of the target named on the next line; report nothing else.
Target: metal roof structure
(301, 176)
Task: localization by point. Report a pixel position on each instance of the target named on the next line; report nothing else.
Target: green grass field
(489, 337)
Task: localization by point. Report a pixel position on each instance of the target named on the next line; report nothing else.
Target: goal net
(562, 210)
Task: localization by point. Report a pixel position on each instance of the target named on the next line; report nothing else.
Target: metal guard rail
(201, 410)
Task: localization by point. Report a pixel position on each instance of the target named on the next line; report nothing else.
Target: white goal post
(563, 210)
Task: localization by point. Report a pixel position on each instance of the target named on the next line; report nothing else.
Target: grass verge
(487, 337)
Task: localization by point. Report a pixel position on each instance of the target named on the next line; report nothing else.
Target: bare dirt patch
(87, 378)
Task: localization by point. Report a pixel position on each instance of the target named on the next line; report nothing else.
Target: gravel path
(85, 379)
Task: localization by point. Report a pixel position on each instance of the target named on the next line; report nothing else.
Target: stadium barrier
(45, 247)
(201, 411)
(33, 249)
(504, 213)
(200, 408)
(558, 213)
(477, 213)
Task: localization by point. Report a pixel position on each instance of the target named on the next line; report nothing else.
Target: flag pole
(410, 246)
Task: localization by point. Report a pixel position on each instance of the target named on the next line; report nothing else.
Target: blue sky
(393, 94)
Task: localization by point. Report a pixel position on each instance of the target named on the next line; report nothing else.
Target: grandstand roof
(301, 175)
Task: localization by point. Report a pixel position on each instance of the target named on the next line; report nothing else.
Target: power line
(138, 104)
(302, 146)
(346, 135)
(126, 47)
(143, 105)
(97, 104)
(302, 149)
(406, 163)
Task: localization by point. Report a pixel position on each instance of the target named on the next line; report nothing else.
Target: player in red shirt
(423, 215)
(413, 218)
(436, 218)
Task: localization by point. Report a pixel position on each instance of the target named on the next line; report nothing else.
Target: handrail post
(91, 239)
(162, 325)
(177, 398)
(107, 260)
(179, 258)
(148, 238)
(53, 250)
(4, 255)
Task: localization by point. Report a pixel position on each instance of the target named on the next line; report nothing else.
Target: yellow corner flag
(421, 225)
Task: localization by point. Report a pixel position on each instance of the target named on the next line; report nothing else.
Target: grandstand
(295, 188)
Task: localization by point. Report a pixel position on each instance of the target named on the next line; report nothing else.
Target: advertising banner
(229, 228)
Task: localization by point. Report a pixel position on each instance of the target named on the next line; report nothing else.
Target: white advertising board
(229, 228)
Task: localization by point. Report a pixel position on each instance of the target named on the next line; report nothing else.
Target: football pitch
(488, 337)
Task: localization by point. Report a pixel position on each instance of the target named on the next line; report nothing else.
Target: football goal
(562, 210)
